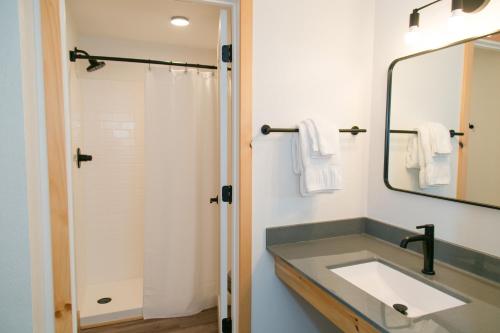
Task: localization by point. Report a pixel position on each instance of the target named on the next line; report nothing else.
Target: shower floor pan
(126, 302)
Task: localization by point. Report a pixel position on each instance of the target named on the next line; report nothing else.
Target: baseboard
(112, 322)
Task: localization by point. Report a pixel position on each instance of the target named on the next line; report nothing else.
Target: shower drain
(104, 300)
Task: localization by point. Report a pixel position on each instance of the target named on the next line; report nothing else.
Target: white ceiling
(146, 20)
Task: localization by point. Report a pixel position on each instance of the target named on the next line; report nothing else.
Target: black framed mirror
(442, 136)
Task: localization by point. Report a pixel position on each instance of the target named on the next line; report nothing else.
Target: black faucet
(427, 246)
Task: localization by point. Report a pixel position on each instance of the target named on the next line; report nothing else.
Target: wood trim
(494, 37)
(54, 118)
(464, 120)
(245, 169)
(333, 310)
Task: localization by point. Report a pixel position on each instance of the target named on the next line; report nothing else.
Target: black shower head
(81, 54)
(95, 65)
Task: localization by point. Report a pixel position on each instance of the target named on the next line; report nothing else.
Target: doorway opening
(151, 118)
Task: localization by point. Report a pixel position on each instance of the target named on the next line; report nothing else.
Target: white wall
(310, 57)
(15, 272)
(316, 57)
(425, 89)
(466, 225)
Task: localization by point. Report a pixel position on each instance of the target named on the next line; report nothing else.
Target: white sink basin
(391, 286)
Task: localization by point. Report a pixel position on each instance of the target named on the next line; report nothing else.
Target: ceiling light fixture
(179, 21)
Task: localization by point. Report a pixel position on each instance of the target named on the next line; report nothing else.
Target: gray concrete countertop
(481, 313)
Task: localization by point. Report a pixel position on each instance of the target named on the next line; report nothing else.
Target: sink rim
(414, 275)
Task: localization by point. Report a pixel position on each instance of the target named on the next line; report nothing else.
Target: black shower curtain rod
(80, 54)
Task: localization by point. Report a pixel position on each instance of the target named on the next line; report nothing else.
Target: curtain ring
(185, 68)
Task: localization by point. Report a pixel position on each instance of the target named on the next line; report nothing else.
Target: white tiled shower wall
(111, 187)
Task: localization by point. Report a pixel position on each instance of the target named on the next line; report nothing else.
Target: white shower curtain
(181, 170)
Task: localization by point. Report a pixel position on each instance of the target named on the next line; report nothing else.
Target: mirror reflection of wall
(456, 88)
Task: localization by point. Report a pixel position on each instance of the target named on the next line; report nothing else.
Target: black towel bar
(266, 129)
(452, 132)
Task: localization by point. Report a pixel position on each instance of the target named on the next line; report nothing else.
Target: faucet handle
(429, 229)
(426, 226)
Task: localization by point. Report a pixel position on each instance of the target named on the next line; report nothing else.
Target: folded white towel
(434, 166)
(317, 175)
(327, 137)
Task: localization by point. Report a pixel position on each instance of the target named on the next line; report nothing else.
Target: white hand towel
(317, 175)
(327, 135)
(298, 167)
(412, 153)
(440, 139)
(434, 168)
(296, 157)
(297, 164)
(312, 136)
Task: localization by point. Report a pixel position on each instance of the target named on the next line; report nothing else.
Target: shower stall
(150, 139)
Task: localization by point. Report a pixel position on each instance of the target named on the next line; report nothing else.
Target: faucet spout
(409, 239)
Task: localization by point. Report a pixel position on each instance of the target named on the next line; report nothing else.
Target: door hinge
(227, 193)
(227, 325)
(227, 53)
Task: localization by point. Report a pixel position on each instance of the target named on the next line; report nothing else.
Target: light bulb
(456, 20)
(179, 21)
(413, 35)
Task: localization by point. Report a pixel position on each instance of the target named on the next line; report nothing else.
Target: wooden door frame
(464, 120)
(53, 77)
(245, 168)
(57, 172)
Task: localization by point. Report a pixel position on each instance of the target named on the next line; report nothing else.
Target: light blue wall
(15, 282)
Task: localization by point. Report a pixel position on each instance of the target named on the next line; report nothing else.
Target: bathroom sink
(397, 289)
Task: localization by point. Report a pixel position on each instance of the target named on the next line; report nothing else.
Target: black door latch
(82, 158)
(214, 200)
(227, 193)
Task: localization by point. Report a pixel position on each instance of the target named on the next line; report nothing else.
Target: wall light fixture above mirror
(458, 9)
(443, 123)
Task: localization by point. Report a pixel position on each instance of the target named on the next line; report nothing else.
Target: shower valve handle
(82, 158)
(215, 200)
